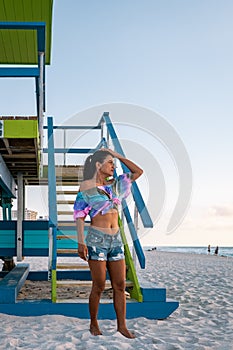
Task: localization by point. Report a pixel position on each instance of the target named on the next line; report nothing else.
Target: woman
(99, 198)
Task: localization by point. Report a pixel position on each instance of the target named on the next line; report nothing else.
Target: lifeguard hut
(25, 36)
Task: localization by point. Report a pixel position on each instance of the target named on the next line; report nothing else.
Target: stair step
(71, 266)
(86, 300)
(67, 228)
(66, 171)
(67, 251)
(70, 283)
(62, 224)
(60, 192)
(74, 283)
(73, 237)
(83, 301)
(65, 212)
(64, 182)
(66, 224)
(65, 202)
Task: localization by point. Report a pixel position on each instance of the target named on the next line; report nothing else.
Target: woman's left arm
(134, 169)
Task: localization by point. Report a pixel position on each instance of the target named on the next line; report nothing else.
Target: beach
(201, 283)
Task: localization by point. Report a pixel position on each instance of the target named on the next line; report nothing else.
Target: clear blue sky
(171, 56)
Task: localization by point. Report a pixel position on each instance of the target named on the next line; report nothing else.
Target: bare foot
(126, 333)
(94, 329)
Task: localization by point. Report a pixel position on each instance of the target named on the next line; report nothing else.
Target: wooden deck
(20, 149)
(19, 146)
(66, 175)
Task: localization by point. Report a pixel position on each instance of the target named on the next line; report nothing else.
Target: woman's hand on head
(106, 150)
(113, 153)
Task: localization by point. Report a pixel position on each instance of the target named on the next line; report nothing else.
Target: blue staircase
(146, 299)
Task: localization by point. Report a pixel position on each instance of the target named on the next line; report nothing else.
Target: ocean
(222, 251)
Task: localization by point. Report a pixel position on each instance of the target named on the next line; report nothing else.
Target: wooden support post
(20, 216)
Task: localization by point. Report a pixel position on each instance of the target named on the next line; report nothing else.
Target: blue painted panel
(35, 225)
(150, 310)
(67, 244)
(74, 127)
(41, 37)
(35, 234)
(10, 285)
(38, 276)
(70, 255)
(8, 252)
(71, 150)
(35, 239)
(7, 238)
(152, 294)
(19, 72)
(8, 225)
(140, 253)
(35, 252)
(82, 275)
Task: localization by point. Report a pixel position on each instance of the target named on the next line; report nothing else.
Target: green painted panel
(20, 46)
(54, 286)
(20, 129)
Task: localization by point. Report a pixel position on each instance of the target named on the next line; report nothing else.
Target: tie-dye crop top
(102, 198)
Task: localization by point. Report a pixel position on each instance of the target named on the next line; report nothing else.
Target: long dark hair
(90, 163)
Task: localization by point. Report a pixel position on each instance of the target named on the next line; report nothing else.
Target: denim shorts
(104, 247)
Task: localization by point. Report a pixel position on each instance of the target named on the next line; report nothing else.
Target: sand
(202, 284)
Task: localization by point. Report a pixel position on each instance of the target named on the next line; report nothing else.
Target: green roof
(19, 46)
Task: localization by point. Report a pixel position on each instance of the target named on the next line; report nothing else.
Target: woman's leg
(116, 271)
(98, 274)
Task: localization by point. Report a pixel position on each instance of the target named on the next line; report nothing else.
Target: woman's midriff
(107, 223)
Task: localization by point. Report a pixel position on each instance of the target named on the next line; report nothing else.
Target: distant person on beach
(208, 249)
(216, 251)
(99, 196)
(150, 249)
